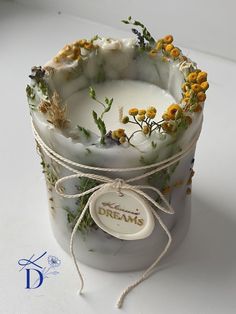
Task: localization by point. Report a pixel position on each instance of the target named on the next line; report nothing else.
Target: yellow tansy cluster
(141, 116)
(72, 52)
(194, 90)
(174, 117)
(119, 135)
(172, 112)
(151, 112)
(166, 46)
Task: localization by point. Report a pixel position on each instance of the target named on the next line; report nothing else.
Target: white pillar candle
(60, 102)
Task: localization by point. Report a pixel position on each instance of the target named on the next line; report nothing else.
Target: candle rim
(182, 66)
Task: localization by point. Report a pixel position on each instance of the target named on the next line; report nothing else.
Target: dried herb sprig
(49, 172)
(99, 120)
(84, 131)
(55, 111)
(37, 75)
(31, 97)
(145, 39)
(72, 216)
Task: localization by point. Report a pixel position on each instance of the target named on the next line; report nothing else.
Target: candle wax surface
(126, 94)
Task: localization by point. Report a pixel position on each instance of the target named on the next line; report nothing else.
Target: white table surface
(201, 276)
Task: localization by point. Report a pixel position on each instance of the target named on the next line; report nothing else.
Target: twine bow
(119, 184)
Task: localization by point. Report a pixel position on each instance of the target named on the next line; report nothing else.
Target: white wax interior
(126, 94)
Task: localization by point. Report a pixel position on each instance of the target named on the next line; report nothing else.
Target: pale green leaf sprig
(84, 131)
(99, 119)
(87, 222)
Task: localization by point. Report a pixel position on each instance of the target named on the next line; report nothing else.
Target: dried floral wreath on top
(177, 117)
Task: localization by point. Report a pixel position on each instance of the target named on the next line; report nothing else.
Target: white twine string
(118, 184)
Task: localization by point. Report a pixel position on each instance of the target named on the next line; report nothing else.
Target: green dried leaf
(154, 145)
(109, 104)
(92, 93)
(73, 215)
(30, 92)
(95, 117)
(99, 120)
(84, 131)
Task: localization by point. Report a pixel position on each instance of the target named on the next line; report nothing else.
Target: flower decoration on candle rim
(71, 60)
(76, 51)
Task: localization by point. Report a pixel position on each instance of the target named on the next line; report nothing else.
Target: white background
(205, 25)
(201, 276)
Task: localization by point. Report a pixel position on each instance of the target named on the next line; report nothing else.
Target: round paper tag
(127, 217)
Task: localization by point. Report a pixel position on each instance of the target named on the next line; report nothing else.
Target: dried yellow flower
(172, 110)
(201, 96)
(201, 77)
(120, 133)
(150, 114)
(205, 85)
(196, 88)
(192, 77)
(122, 140)
(133, 112)
(169, 47)
(175, 52)
(142, 111)
(141, 117)
(168, 39)
(113, 135)
(152, 108)
(146, 130)
(125, 119)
